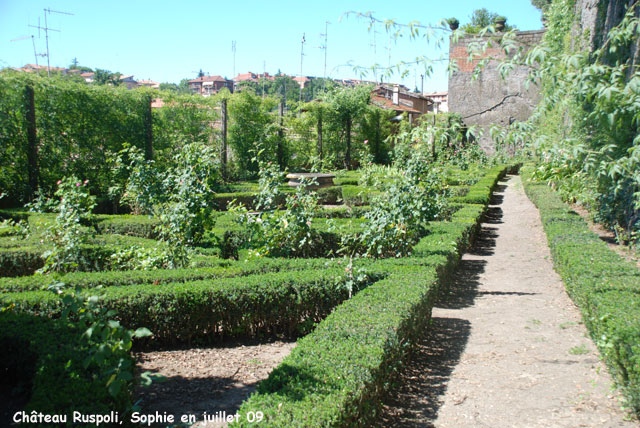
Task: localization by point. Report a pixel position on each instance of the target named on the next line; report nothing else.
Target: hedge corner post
(347, 158)
(223, 152)
(148, 128)
(280, 154)
(32, 139)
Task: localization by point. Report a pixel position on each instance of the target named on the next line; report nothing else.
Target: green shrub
(133, 225)
(604, 285)
(121, 278)
(337, 375)
(208, 310)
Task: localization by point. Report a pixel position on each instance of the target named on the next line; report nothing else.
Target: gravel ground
(211, 380)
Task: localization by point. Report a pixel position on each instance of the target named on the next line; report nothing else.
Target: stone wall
(491, 99)
(598, 17)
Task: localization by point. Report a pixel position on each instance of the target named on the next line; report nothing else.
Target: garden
(129, 227)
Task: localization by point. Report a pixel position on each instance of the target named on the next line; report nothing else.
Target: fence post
(223, 153)
(280, 154)
(148, 129)
(32, 139)
(347, 159)
(319, 146)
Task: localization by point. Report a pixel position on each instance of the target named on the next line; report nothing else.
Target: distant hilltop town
(389, 95)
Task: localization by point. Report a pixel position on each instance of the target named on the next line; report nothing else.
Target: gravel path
(507, 348)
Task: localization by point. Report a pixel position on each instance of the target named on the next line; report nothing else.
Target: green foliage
(68, 234)
(79, 361)
(336, 375)
(252, 130)
(280, 233)
(345, 105)
(136, 181)
(210, 310)
(186, 212)
(481, 19)
(604, 285)
(398, 218)
(584, 131)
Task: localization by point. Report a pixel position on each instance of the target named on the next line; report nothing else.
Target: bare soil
(211, 380)
(506, 347)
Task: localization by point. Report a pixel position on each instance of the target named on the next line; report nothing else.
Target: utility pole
(264, 75)
(46, 33)
(301, 56)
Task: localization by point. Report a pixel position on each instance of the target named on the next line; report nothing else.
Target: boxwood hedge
(605, 286)
(337, 375)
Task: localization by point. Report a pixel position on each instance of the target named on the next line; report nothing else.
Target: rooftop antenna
(46, 33)
(301, 56)
(325, 35)
(233, 50)
(375, 72)
(35, 54)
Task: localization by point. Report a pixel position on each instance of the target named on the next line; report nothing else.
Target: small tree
(345, 104)
(481, 18)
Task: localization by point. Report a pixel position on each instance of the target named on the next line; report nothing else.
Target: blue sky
(167, 41)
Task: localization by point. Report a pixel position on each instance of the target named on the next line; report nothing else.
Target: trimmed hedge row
(133, 225)
(604, 285)
(225, 269)
(41, 355)
(337, 375)
(205, 311)
(24, 258)
(326, 195)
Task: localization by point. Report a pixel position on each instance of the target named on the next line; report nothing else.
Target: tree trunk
(281, 158)
(348, 155)
(148, 129)
(32, 140)
(376, 156)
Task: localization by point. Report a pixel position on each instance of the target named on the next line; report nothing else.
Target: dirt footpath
(507, 348)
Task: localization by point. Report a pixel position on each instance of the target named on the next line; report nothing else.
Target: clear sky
(167, 41)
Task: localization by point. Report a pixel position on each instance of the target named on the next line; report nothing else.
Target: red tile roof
(388, 104)
(208, 79)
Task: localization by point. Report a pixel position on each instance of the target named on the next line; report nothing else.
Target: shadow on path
(418, 395)
(424, 381)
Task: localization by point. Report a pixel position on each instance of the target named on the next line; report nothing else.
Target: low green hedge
(133, 225)
(604, 285)
(225, 269)
(327, 195)
(336, 376)
(26, 260)
(211, 310)
(358, 195)
(42, 356)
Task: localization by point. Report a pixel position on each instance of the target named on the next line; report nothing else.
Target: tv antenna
(301, 57)
(373, 26)
(324, 47)
(233, 50)
(46, 33)
(32, 37)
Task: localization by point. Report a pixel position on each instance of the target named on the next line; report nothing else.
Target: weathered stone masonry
(491, 99)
